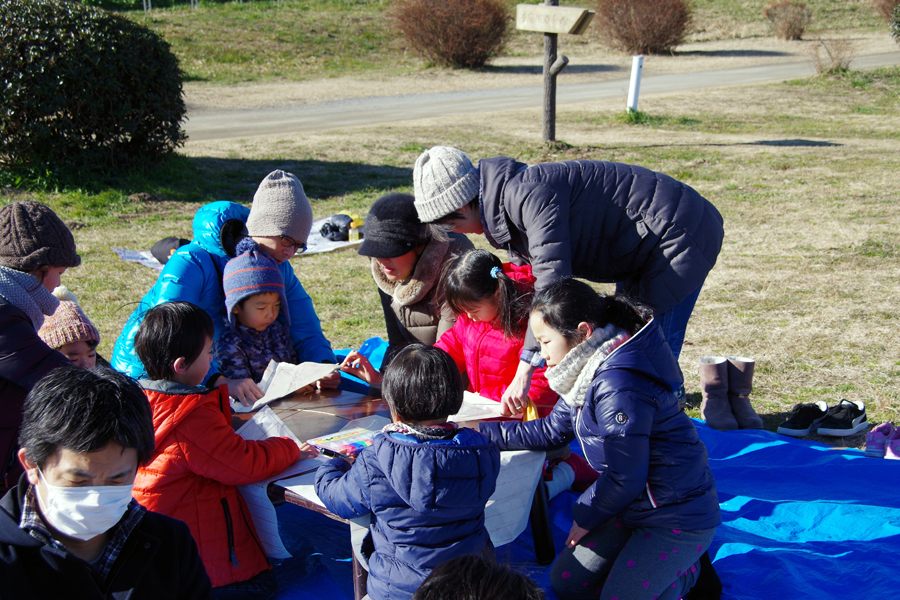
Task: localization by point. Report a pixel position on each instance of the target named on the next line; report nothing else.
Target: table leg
(541, 531)
(360, 577)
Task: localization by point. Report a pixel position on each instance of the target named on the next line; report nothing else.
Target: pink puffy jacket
(489, 359)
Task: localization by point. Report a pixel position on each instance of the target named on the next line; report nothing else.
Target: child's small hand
(244, 390)
(358, 365)
(308, 451)
(575, 535)
(329, 382)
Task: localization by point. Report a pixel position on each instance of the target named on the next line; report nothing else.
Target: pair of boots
(726, 384)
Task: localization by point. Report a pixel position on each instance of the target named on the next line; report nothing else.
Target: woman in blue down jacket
(640, 530)
(279, 221)
(425, 480)
(653, 236)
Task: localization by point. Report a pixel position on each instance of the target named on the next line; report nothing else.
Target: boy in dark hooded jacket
(425, 480)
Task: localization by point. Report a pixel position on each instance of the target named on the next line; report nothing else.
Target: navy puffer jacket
(427, 499)
(653, 468)
(602, 221)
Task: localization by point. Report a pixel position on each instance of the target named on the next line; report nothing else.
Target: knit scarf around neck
(572, 377)
(26, 293)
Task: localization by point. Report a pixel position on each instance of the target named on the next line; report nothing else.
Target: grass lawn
(803, 172)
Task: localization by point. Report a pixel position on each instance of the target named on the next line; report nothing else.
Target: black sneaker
(845, 418)
(804, 419)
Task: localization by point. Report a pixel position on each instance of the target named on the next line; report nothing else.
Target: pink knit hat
(68, 324)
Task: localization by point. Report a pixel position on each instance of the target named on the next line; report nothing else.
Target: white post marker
(637, 65)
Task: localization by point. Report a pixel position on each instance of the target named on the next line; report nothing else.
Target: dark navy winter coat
(602, 221)
(653, 467)
(427, 499)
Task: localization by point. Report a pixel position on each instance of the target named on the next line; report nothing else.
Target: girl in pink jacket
(491, 300)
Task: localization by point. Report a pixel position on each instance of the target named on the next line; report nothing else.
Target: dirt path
(512, 72)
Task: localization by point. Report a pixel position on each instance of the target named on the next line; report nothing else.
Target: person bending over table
(655, 237)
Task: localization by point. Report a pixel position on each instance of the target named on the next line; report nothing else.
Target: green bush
(454, 33)
(895, 24)
(83, 93)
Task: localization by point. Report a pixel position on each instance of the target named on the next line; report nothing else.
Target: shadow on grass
(780, 143)
(538, 69)
(203, 179)
(734, 53)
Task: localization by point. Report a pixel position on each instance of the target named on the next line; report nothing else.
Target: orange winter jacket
(490, 360)
(198, 462)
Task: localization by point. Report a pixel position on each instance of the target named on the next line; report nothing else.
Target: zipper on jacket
(230, 529)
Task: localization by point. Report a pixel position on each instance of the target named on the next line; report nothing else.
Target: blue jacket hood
(208, 222)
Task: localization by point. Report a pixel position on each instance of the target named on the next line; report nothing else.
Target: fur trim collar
(574, 374)
(424, 277)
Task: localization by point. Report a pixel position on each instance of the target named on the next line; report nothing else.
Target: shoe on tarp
(804, 419)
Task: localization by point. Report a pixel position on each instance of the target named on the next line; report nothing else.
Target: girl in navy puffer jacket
(640, 530)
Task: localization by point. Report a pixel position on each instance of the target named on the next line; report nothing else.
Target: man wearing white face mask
(70, 529)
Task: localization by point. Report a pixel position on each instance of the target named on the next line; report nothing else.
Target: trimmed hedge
(454, 33)
(644, 26)
(83, 92)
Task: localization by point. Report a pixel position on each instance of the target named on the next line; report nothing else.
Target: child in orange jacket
(199, 460)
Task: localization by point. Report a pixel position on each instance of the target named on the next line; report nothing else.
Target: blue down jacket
(653, 467)
(194, 274)
(601, 221)
(427, 499)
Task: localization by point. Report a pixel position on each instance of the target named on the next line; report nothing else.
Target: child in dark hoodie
(425, 480)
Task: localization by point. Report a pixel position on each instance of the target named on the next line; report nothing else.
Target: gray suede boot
(715, 407)
(740, 384)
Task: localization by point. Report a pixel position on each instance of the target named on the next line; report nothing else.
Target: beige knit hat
(445, 180)
(280, 207)
(68, 324)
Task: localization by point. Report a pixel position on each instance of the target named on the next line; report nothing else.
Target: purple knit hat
(251, 272)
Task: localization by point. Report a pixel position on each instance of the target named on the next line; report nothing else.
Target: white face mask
(84, 512)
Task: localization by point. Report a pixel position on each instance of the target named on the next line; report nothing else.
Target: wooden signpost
(552, 19)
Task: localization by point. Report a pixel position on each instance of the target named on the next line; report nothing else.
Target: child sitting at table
(425, 480)
(491, 299)
(254, 296)
(70, 332)
(199, 460)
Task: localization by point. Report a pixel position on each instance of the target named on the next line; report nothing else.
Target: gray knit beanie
(444, 181)
(32, 236)
(280, 207)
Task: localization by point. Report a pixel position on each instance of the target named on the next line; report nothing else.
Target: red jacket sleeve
(212, 449)
(452, 343)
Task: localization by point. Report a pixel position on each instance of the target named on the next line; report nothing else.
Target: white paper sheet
(508, 509)
(283, 379)
(476, 408)
(263, 425)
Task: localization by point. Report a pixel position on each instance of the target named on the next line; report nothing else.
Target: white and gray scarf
(572, 377)
(26, 293)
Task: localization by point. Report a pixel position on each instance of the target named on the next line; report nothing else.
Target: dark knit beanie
(32, 236)
(393, 227)
(251, 272)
